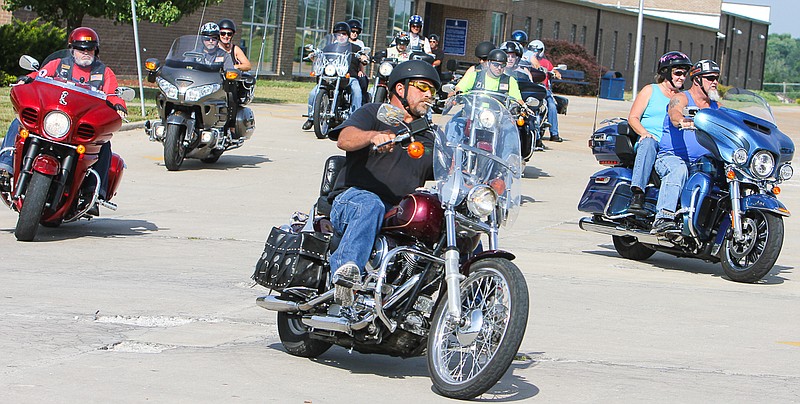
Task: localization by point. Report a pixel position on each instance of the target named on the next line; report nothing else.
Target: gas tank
(419, 215)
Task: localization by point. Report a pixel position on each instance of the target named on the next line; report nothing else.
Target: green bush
(576, 57)
(35, 38)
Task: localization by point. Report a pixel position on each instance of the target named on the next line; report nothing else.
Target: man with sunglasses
(212, 53)
(679, 149)
(372, 181)
(491, 76)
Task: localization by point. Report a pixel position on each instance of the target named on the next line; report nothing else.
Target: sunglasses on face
(355, 31)
(211, 39)
(497, 64)
(679, 73)
(416, 26)
(226, 33)
(423, 86)
(711, 78)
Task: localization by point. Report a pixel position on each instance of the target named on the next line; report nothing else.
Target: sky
(782, 15)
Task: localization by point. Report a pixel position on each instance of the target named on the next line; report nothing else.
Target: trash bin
(612, 86)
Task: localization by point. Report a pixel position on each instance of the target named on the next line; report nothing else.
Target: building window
(583, 36)
(311, 28)
(361, 10)
(399, 13)
(258, 32)
(573, 33)
(614, 50)
(628, 52)
(539, 28)
(556, 28)
(498, 20)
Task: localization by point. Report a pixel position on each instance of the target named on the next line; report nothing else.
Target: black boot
(637, 203)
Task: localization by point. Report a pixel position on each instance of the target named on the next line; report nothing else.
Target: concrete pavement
(153, 302)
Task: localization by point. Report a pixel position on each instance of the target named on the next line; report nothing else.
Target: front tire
(174, 151)
(465, 361)
(630, 248)
(322, 108)
(752, 258)
(295, 338)
(32, 207)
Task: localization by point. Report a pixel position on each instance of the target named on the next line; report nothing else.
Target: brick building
(274, 31)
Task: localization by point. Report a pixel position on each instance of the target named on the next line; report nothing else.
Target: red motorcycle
(63, 125)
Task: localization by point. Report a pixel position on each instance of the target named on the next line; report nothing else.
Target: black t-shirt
(355, 63)
(392, 175)
(439, 53)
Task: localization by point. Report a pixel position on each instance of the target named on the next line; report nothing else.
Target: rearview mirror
(28, 63)
(448, 88)
(391, 115)
(126, 93)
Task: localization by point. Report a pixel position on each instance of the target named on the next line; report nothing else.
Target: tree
(782, 59)
(71, 12)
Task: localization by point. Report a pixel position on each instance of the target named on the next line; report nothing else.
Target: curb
(132, 126)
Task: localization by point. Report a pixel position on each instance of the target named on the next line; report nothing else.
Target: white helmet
(537, 47)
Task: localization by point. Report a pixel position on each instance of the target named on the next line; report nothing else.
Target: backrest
(623, 145)
(333, 166)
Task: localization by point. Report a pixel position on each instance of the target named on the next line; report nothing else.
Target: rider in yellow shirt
(491, 76)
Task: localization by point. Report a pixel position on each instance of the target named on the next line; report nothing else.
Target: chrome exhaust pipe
(275, 304)
(612, 229)
(328, 323)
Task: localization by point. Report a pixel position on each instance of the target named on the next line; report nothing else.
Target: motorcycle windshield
(196, 52)
(748, 102)
(331, 58)
(477, 143)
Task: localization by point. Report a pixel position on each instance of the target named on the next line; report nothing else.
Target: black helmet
(414, 69)
(402, 39)
(355, 24)
(498, 55)
(673, 59)
(433, 37)
(210, 29)
(341, 27)
(520, 36)
(483, 49)
(704, 67)
(511, 47)
(227, 24)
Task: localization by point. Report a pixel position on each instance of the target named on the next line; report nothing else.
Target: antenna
(597, 98)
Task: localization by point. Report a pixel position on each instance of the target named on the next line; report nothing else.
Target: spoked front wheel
(752, 257)
(322, 110)
(467, 357)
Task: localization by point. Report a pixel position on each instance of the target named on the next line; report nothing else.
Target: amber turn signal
(312, 74)
(776, 190)
(80, 149)
(416, 150)
(498, 186)
(730, 174)
(23, 133)
(231, 75)
(520, 121)
(150, 66)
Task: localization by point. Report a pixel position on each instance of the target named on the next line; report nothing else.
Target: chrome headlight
(763, 164)
(169, 89)
(385, 69)
(786, 171)
(196, 93)
(330, 70)
(740, 156)
(56, 124)
(481, 200)
(533, 102)
(487, 119)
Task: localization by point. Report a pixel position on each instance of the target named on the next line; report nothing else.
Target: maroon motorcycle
(427, 289)
(62, 127)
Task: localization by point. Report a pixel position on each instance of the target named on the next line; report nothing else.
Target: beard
(420, 109)
(713, 95)
(84, 62)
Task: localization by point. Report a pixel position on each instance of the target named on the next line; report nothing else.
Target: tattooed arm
(675, 110)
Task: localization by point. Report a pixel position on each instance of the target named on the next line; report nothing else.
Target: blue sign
(455, 37)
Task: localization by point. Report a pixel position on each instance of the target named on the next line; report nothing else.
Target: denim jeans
(552, 113)
(673, 172)
(355, 90)
(357, 216)
(6, 162)
(646, 153)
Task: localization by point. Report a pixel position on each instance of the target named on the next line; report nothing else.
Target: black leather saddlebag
(292, 259)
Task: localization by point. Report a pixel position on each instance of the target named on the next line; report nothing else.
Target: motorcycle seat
(624, 148)
(333, 166)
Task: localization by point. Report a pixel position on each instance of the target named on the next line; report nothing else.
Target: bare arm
(675, 110)
(637, 110)
(244, 63)
(352, 139)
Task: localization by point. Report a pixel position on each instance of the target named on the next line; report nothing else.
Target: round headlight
(487, 119)
(533, 102)
(740, 156)
(330, 70)
(385, 69)
(786, 172)
(56, 124)
(763, 164)
(481, 200)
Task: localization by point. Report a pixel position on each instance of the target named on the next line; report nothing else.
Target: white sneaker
(343, 279)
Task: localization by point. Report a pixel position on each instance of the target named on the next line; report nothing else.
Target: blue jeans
(355, 90)
(646, 152)
(673, 172)
(552, 113)
(357, 216)
(6, 162)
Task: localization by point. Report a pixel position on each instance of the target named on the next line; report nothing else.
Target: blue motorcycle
(728, 206)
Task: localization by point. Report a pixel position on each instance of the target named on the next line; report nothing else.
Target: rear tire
(322, 108)
(295, 338)
(32, 207)
(630, 248)
(174, 151)
(751, 259)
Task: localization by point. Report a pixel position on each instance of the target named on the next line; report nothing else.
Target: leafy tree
(71, 12)
(576, 57)
(32, 38)
(783, 59)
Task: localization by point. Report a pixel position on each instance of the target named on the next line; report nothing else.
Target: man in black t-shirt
(437, 52)
(373, 181)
